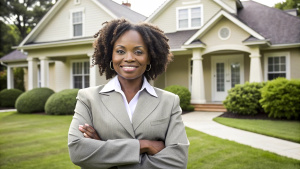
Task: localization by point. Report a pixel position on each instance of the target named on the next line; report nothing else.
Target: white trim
(277, 54)
(191, 2)
(71, 69)
(189, 17)
(284, 46)
(215, 19)
(98, 3)
(225, 6)
(219, 33)
(71, 11)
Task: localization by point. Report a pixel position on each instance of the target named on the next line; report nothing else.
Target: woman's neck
(130, 87)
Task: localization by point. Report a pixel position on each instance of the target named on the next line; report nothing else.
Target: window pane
(77, 17)
(270, 60)
(183, 14)
(235, 74)
(276, 68)
(86, 68)
(77, 82)
(196, 12)
(220, 77)
(77, 29)
(86, 81)
(196, 22)
(183, 23)
(276, 60)
(270, 68)
(282, 60)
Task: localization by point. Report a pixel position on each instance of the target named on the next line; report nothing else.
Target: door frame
(214, 59)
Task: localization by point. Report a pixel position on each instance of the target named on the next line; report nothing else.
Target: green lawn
(40, 141)
(287, 130)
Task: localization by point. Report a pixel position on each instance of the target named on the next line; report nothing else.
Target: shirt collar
(114, 85)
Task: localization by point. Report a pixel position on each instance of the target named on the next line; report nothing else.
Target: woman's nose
(129, 57)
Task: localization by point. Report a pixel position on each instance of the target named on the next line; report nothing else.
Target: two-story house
(216, 44)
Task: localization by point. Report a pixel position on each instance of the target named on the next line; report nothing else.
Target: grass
(40, 141)
(287, 130)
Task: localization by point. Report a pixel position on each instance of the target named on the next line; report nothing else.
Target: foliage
(283, 129)
(184, 95)
(24, 14)
(3, 78)
(62, 103)
(33, 100)
(244, 99)
(280, 98)
(8, 97)
(9, 37)
(19, 79)
(289, 4)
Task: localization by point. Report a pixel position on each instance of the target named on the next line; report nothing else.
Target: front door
(227, 71)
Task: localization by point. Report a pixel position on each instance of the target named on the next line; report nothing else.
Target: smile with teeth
(128, 68)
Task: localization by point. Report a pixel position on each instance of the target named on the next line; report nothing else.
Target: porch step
(210, 107)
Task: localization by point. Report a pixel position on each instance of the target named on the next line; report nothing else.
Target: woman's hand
(89, 132)
(151, 147)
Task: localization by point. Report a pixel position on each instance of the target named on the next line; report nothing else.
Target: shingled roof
(273, 24)
(122, 11)
(177, 39)
(14, 56)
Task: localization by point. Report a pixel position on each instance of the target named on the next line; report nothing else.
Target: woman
(127, 123)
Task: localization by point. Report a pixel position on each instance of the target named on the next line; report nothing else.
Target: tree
(25, 14)
(289, 4)
(9, 36)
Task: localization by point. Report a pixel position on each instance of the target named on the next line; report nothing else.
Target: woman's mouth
(128, 68)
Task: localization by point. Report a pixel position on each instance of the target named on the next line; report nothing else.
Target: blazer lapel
(113, 101)
(146, 104)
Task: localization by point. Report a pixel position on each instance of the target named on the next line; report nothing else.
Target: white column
(198, 90)
(44, 63)
(256, 74)
(32, 73)
(93, 72)
(10, 77)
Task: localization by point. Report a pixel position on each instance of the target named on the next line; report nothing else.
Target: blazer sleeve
(90, 153)
(175, 154)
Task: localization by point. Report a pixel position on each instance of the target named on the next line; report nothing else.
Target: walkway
(6, 110)
(202, 121)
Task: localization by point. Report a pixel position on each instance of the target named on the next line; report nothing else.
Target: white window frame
(189, 17)
(219, 33)
(76, 2)
(71, 22)
(278, 54)
(71, 71)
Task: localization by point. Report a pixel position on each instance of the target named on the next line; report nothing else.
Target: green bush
(244, 99)
(33, 100)
(184, 95)
(281, 98)
(62, 103)
(8, 97)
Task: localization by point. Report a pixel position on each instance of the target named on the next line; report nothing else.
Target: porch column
(198, 90)
(44, 63)
(10, 77)
(32, 73)
(256, 74)
(93, 71)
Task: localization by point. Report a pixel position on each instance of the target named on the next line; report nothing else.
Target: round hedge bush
(33, 100)
(281, 98)
(8, 97)
(184, 95)
(62, 103)
(244, 99)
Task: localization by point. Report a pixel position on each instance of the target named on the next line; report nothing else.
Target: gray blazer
(154, 118)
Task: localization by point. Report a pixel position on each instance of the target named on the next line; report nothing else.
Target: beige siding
(238, 35)
(59, 27)
(247, 67)
(207, 76)
(160, 81)
(178, 72)
(295, 63)
(167, 19)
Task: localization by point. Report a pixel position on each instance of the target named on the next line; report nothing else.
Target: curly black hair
(155, 39)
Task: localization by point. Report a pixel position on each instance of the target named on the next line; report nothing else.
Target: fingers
(89, 132)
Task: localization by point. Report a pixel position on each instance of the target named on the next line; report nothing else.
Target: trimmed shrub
(33, 100)
(184, 95)
(281, 98)
(62, 103)
(244, 99)
(8, 97)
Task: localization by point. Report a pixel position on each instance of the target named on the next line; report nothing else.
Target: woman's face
(130, 55)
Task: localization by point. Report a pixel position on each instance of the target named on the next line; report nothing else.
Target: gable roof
(177, 39)
(214, 20)
(114, 9)
(273, 24)
(15, 55)
(167, 3)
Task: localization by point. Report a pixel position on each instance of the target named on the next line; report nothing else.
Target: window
(76, 2)
(276, 65)
(189, 17)
(77, 22)
(81, 74)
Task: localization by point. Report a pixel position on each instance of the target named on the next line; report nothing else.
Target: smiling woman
(127, 123)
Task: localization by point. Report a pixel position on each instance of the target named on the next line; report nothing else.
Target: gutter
(2, 63)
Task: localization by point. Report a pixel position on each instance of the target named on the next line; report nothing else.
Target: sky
(147, 7)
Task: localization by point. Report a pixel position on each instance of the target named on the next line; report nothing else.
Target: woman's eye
(120, 52)
(138, 52)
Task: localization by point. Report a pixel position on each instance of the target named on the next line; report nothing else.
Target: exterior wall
(167, 19)
(231, 3)
(211, 38)
(178, 71)
(160, 81)
(26, 78)
(207, 76)
(59, 27)
(247, 67)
